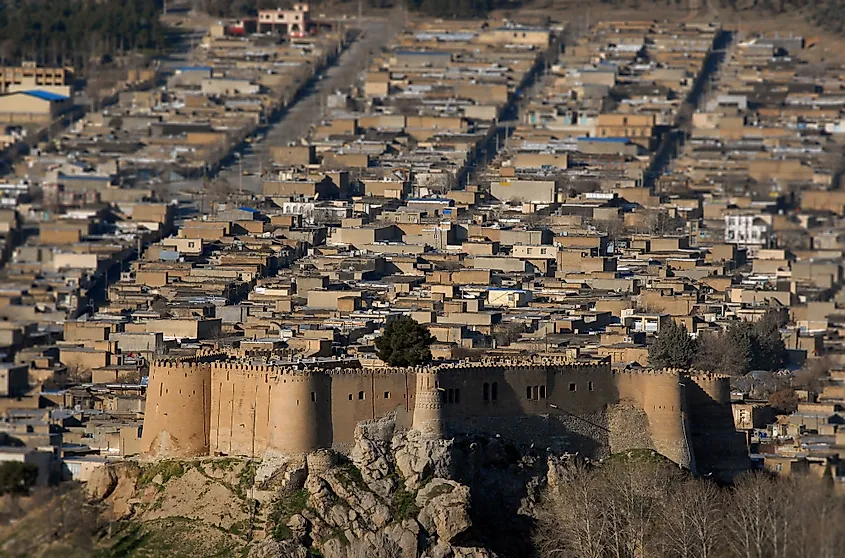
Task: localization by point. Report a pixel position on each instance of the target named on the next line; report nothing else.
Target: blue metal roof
(86, 177)
(193, 69)
(45, 95)
(250, 209)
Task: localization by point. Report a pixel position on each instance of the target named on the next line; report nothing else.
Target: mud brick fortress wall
(215, 404)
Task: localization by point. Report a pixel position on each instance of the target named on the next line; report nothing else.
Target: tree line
(827, 14)
(72, 32)
(633, 508)
(741, 347)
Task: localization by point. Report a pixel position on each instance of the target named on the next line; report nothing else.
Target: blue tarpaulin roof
(46, 95)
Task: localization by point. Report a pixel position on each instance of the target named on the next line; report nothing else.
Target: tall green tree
(673, 348)
(405, 342)
(744, 346)
(738, 348)
(770, 350)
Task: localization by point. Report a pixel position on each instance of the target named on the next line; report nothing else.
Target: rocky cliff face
(397, 494)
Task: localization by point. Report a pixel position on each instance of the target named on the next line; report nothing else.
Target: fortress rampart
(178, 410)
(213, 404)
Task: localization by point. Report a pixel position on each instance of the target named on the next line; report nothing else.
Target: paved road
(672, 142)
(295, 123)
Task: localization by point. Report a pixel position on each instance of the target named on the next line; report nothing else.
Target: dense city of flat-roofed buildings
(524, 194)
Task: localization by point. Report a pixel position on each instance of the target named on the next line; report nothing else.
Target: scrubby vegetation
(284, 507)
(17, 478)
(167, 469)
(639, 505)
(404, 504)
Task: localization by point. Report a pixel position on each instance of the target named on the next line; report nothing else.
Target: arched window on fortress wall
(490, 392)
(535, 393)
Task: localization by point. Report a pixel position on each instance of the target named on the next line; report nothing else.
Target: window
(572, 386)
(536, 393)
(387, 395)
(190, 245)
(494, 391)
(542, 392)
(350, 397)
(457, 395)
(313, 396)
(361, 395)
(528, 392)
(485, 391)
(450, 395)
(590, 386)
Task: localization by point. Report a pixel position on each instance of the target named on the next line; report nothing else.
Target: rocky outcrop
(394, 495)
(444, 550)
(277, 549)
(115, 485)
(374, 461)
(102, 483)
(444, 509)
(418, 457)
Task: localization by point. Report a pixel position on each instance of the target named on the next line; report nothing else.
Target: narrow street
(673, 140)
(243, 172)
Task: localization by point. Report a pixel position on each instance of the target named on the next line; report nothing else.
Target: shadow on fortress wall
(325, 428)
(500, 459)
(499, 474)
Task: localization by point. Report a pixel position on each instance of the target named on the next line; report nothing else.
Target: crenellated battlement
(232, 360)
(707, 376)
(674, 372)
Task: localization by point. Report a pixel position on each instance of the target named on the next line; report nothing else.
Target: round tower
(296, 400)
(428, 406)
(178, 410)
(663, 403)
(709, 389)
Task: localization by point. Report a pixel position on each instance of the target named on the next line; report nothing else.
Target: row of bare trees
(628, 510)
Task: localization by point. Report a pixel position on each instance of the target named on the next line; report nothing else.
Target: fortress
(217, 404)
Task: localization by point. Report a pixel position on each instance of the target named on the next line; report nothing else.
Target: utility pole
(241, 173)
(360, 9)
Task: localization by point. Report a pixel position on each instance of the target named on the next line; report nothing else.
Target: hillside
(429, 497)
